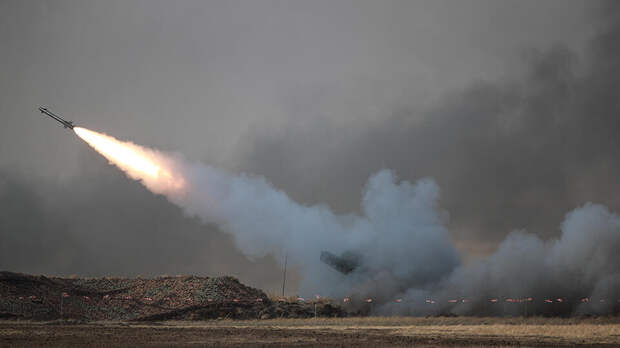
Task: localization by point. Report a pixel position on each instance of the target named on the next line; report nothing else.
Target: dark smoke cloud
(516, 153)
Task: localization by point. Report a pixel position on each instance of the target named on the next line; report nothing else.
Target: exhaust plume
(154, 169)
(398, 247)
(400, 233)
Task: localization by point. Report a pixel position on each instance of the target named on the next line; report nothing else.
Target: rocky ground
(184, 297)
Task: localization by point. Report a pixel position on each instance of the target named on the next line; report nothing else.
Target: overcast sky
(506, 104)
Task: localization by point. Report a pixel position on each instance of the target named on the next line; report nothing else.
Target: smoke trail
(400, 233)
(400, 241)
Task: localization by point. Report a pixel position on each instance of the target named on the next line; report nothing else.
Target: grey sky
(315, 95)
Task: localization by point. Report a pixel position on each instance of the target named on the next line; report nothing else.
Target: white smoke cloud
(400, 233)
(582, 263)
(400, 236)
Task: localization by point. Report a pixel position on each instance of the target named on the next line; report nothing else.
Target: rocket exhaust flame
(152, 168)
(126, 156)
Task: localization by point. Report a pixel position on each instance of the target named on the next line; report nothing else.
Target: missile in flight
(66, 124)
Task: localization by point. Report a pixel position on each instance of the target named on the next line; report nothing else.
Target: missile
(66, 124)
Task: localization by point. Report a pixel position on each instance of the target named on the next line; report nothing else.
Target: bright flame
(154, 169)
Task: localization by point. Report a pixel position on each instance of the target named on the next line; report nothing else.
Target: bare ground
(364, 332)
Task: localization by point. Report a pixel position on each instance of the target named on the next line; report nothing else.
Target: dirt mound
(183, 297)
(39, 297)
(271, 310)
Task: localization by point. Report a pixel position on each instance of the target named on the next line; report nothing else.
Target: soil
(270, 333)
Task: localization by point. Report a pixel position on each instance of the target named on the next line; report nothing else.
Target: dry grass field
(364, 332)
